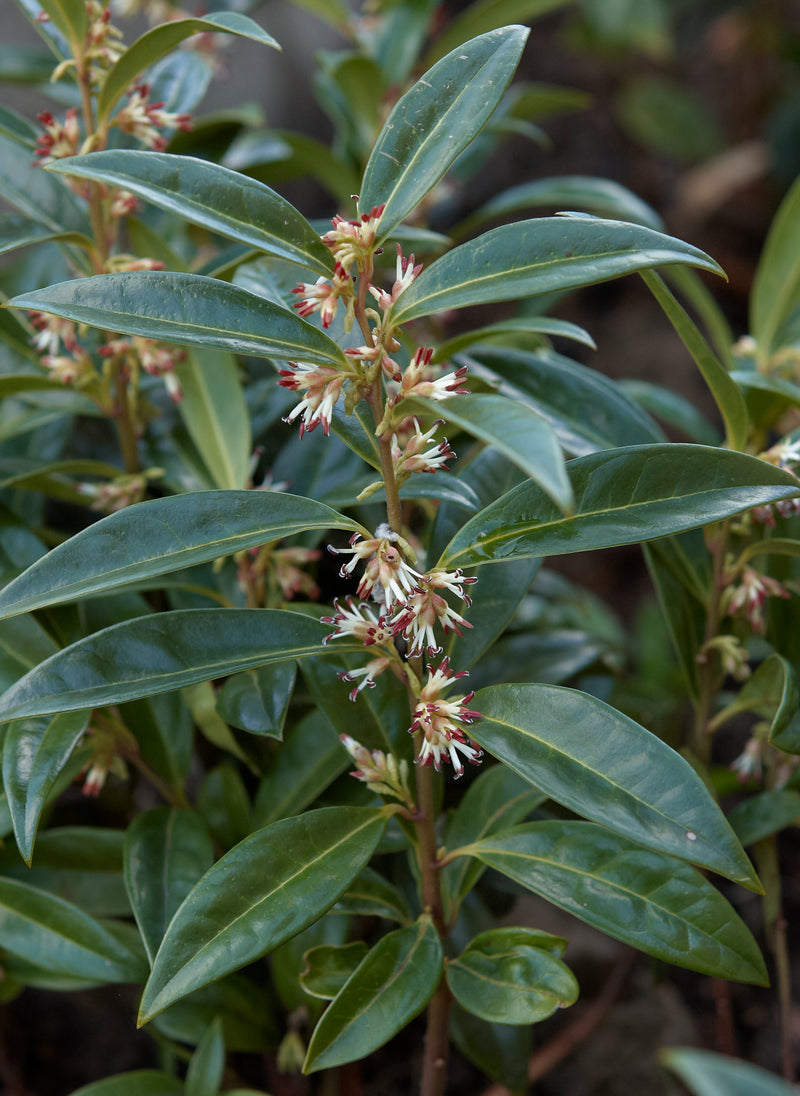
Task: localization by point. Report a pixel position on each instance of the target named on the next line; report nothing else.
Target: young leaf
(204, 1075)
(203, 193)
(328, 967)
(544, 255)
(389, 988)
(602, 765)
(622, 496)
(214, 411)
(161, 40)
(34, 753)
(435, 121)
(655, 903)
(166, 852)
(159, 653)
(162, 535)
(187, 309)
(264, 891)
(708, 1074)
(777, 282)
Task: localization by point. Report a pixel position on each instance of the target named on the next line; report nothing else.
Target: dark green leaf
(266, 890)
(204, 1075)
(602, 765)
(328, 966)
(765, 814)
(708, 1074)
(388, 989)
(257, 700)
(671, 408)
(214, 411)
(653, 902)
(622, 496)
(162, 535)
(17, 231)
(140, 1082)
(185, 308)
(435, 120)
(373, 896)
(225, 806)
(500, 1050)
(772, 693)
(247, 1020)
(43, 197)
(511, 332)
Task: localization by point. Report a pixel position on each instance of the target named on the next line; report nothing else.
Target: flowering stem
(708, 679)
(437, 1042)
(123, 420)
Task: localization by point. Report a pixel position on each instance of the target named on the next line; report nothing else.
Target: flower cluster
(748, 594)
(145, 121)
(382, 772)
(442, 722)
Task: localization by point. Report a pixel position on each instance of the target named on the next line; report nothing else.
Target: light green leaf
(162, 535)
(653, 902)
(622, 496)
(266, 890)
(70, 18)
(389, 988)
(596, 761)
(188, 309)
(214, 411)
(723, 387)
(435, 120)
(207, 1065)
(159, 653)
(139, 1082)
(166, 852)
(34, 753)
(161, 40)
(203, 193)
(328, 966)
(776, 285)
(544, 255)
(516, 430)
(708, 1074)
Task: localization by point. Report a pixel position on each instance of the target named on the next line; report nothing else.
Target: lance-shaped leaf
(215, 413)
(41, 196)
(203, 193)
(161, 40)
(765, 814)
(204, 1075)
(34, 753)
(69, 16)
(53, 933)
(138, 1082)
(543, 255)
(772, 694)
(776, 285)
(264, 891)
(723, 387)
(435, 121)
(708, 1074)
(162, 535)
(159, 653)
(17, 231)
(371, 895)
(166, 853)
(517, 431)
(602, 765)
(503, 977)
(389, 988)
(653, 902)
(188, 309)
(622, 496)
(511, 331)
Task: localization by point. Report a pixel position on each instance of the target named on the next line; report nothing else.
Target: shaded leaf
(510, 331)
(776, 285)
(214, 411)
(708, 1074)
(328, 966)
(765, 814)
(204, 1074)
(257, 700)
(371, 895)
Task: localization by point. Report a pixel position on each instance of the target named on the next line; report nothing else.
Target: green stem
(708, 676)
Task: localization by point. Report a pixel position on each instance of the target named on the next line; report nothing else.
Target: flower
(51, 332)
(323, 296)
(749, 595)
(144, 120)
(322, 385)
(414, 457)
(386, 572)
(417, 618)
(374, 668)
(379, 770)
(440, 722)
(357, 621)
(417, 382)
(405, 273)
(352, 242)
(59, 139)
(374, 354)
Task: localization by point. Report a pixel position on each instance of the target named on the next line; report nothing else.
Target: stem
(708, 677)
(123, 421)
(766, 855)
(437, 1042)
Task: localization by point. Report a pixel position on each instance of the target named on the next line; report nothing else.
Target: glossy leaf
(43, 197)
(161, 40)
(257, 700)
(511, 331)
(247, 1019)
(594, 760)
(166, 852)
(203, 193)
(188, 309)
(544, 255)
(34, 753)
(653, 902)
(158, 653)
(765, 814)
(17, 231)
(622, 496)
(435, 120)
(518, 432)
(371, 895)
(723, 387)
(672, 408)
(776, 286)
(389, 988)
(204, 1074)
(708, 1074)
(681, 598)
(215, 413)
(55, 934)
(328, 967)
(162, 535)
(264, 891)
(493, 606)
(508, 981)
(139, 1082)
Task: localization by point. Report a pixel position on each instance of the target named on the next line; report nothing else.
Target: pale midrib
(539, 990)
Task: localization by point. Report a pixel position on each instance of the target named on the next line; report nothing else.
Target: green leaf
(162, 535)
(602, 765)
(43, 197)
(776, 285)
(70, 18)
(328, 966)
(723, 387)
(500, 1050)
(53, 933)
(622, 496)
(188, 309)
(161, 40)
(772, 694)
(159, 653)
(214, 411)
(389, 988)
(765, 814)
(506, 980)
(264, 891)
(225, 805)
(17, 231)
(672, 408)
(257, 700)
(247, 1020)
(681, 598)
(493, 606)
(487, 15)
(708, 1074)
(653, 902)
(204, 1075)
(435, 121)
(544, 255)
(517, 431)
(373, 896)
(166, 852)
(203, 193)
(34, 753)
(511, 331)
(139, 1082)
